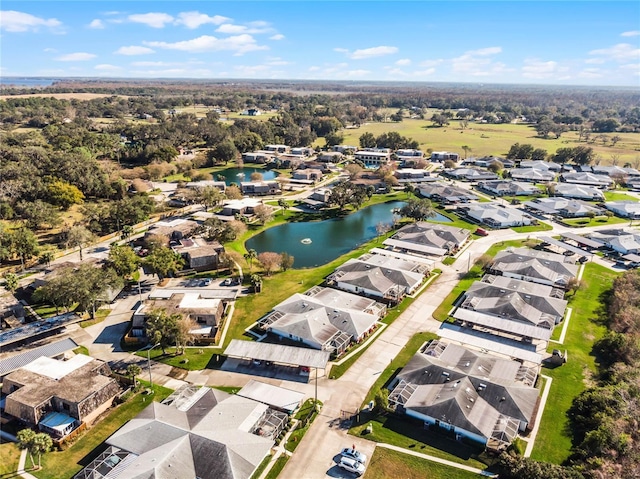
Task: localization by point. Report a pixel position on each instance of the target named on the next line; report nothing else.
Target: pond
(319, 242)
(236, 175)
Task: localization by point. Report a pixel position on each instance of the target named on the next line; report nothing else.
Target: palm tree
(284, 206)
(256, 282)
(466, 150)
(250, 256)
(408, 189)
(46, 258)
(127, 231)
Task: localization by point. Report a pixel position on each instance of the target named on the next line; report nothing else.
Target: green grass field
(618, 196)
(488, 139)
(386, 463)
(596, 221)
(553, 442)
(64, 464)
(9, 457)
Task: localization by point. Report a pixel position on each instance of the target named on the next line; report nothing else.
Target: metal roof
(281, 398)
(567, 246)
(278, 353)
(582, 240)
(19, 360)
(414, 247)
(502, 324)
(488, 342)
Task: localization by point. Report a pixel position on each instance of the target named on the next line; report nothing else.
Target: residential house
(536, 266)
(318, 198)
(469, 393)
(279, 149)
(532, 175)
(509, 188)
(173, 229)
(589, 179)
(497, 215)
(568, 190)
(308, 174)
(447, 194)
(259, 157)
(373, 159)
(540, 165)
(430, 239)
(330, 156)
(302, 151)
(616, 172)
(390, 283)
(199, 254)
(197, 432)
(489, 160)
(567, 208)
(203, 308)
(244, 206)
(624, 209)
(11, 311)
(470, 174)
(412, 175)
(57, 396)
(444, 156)
(344, 149)
(221, 185)
(324, 318)
(260, 188)
(624, 241)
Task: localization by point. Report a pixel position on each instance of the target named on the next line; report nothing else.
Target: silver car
(353, 454)
(351, 465)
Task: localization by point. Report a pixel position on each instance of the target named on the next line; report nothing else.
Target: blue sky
(544, 42)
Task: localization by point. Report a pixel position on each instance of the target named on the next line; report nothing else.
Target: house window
(66, 407)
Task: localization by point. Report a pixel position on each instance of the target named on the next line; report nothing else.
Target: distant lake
(236, 175)
(26, 82)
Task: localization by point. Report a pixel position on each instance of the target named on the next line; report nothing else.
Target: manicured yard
(64, 464)
(596, 221)
(277, 468)
(541, 226)
(304, 414)
(553, 442)
(386, 463)
(475, 273)
(616, 196)
(9, 457)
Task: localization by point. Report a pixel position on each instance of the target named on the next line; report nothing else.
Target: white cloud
(256, 27)
(153, 19)
(50, 50)
(538, 69)
(277, 61)
(372, 52)
(194, 20)
(12, 21)
(76, 57)
(96, 24)
(105, 67)
(277, 36)
(591, 73)
(239, 44)
(341, 50)
(594, 61)
(478, 63)
(356, 73)
(403, 62)
(133, 50)
(314, 69)
(431, 63)
(424, 73)
(150, 64)
(632, 33)
(620, 52)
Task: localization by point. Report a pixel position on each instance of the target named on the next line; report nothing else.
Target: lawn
(66, 463)
(488, 139)
(553, 442)
(277, 468)
(615, 196)
(386, 463)
(305, 413)
(9, 457)
(596, 221)
(475, 273)
(541, 226)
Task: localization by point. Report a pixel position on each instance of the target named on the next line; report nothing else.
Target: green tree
(539, 154)
(79, 237)
(334, 138)
(133, 371)
(249, 256)
(123, 260)
(367, 140)
(210, 196)
(41, 444)
(163, 261)
(284, 206)
(466, 150)
(232, 192)
(418, 209)
(264, 213)
(25, 441)
(286, 261)
(10, 282)
(46, 257)
(256, 282)
(126, 233)
(440, 119)
(64, 194)
(225, 151)
(162, 328)
(24, 244)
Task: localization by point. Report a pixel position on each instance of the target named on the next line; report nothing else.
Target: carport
(581, 240)
(276, 360)
(566, 246)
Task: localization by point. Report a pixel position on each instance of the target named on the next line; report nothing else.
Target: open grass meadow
(9, 458)
(488, 139)
(386, 463)
(63, 464)
(553, 443)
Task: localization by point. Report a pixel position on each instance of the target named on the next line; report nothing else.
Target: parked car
(206, 282)
(353, 454)
(583, 259)
(351, 465)
(482, 232)
(226, 282)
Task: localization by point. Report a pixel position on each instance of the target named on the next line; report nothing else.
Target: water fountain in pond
(306, 241)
